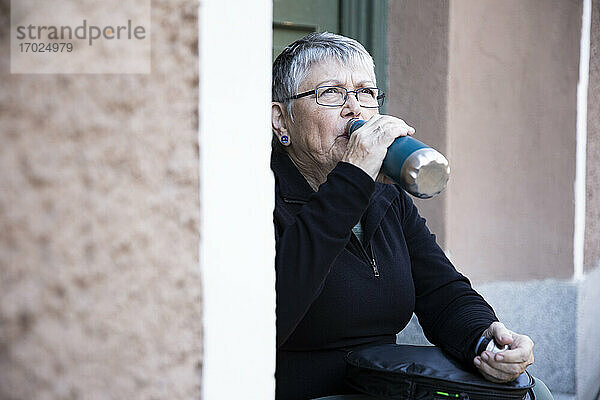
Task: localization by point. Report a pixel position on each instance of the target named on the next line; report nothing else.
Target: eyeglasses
(336, 96)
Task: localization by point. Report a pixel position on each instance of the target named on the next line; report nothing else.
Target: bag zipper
(452, 392)
(445, 396)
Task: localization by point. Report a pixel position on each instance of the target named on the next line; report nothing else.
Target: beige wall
(99, 225)
(513, 72)
(417, 71)
(493, 86)
(592, 218)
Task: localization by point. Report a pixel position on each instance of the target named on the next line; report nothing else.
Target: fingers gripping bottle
(490, 345)
(419, 169)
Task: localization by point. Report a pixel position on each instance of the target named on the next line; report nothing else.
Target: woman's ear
(279, 122)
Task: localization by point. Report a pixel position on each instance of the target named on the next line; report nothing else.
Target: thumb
(501, 334)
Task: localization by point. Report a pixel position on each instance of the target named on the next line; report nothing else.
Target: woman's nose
(351, 106)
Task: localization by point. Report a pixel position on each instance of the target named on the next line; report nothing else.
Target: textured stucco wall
(417, 81)
(99, 225)
(513, 70)
(592, 218)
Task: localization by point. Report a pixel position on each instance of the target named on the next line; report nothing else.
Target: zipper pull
(375, 269)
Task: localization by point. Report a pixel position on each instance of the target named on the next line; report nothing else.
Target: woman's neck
(313, 171)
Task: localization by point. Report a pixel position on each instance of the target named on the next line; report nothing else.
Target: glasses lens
(369, 97)
(331, 95)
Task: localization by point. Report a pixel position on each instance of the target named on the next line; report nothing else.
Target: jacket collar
(293, 188)
(291, 184)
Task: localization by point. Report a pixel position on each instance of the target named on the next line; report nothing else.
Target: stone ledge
(551, 313)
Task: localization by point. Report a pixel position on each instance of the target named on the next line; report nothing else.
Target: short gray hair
(293, 64)
(291, 67)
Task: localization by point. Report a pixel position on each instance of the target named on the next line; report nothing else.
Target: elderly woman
(354, 258)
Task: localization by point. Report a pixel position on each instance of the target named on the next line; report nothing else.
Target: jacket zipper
(374, 263)
(370, 260)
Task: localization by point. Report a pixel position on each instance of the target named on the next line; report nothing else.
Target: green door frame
(363, 20)
(366, 21)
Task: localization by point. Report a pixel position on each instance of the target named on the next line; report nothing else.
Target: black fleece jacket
(335, 294)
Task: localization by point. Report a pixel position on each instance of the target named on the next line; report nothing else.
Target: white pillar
(580, 173)
(237, 250)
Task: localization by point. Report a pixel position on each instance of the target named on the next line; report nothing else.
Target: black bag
(405, 372)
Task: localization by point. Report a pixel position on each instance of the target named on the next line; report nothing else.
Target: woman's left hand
(509, 364)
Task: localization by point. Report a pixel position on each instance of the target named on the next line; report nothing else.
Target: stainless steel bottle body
(419, 169)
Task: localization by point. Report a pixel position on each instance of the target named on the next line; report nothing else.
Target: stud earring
(284, 139)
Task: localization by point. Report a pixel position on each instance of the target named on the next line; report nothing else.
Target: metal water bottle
(419, 169)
